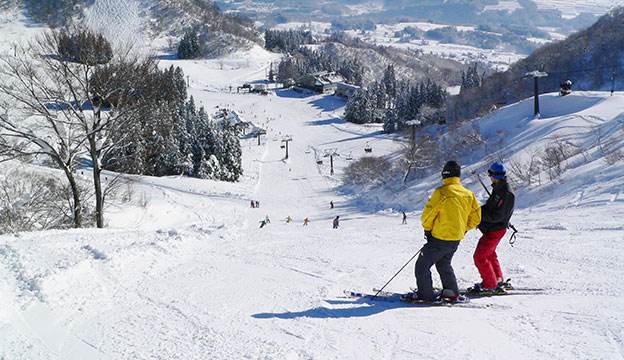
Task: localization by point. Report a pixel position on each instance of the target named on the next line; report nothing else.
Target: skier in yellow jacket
(451, 211)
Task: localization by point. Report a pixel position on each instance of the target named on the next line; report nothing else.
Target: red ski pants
(486, 260)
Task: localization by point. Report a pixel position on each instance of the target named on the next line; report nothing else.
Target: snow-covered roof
(230, 116)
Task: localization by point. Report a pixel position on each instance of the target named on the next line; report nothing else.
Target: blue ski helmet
(497, 171)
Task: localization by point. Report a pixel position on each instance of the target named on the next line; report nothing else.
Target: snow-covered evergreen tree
(287, 69)
(189, 47)
(156, 142)
(389, 82)
(359, 108)
(352, 70)
(213, 148)
(230, 155)
(470, 78)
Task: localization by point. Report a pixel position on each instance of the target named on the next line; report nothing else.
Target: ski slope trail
(192, 276)
(183, 270)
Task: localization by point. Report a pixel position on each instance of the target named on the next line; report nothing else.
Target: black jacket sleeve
(497, 210)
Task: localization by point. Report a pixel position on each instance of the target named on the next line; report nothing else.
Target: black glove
(428, 235)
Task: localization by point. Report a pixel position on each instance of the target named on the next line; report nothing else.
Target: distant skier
(266, 218)
(331, 204)
(404, 218)
(257, 203)
(336, 222)
(288, 219)
(262, 223)
(451, 211)
(253, 204)
(495, 216)
(305, 222)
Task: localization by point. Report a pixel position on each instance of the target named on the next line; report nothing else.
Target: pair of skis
(404, 298)
(463, 301)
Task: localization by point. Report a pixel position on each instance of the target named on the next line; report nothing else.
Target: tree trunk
(77, 207)
(97, 183)
(409, 168)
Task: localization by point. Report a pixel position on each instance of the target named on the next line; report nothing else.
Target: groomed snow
(183, 271)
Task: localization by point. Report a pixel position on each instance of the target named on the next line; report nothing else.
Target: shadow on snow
(327, 103)
(366, 308)
(326, 121)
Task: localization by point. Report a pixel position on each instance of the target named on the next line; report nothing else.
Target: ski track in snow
(216, 284)
(189, 275)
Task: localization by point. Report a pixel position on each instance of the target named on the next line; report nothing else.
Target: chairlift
(566, 88)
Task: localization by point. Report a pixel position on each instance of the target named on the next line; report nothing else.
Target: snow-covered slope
(190, 275)
(183, 270)
(123, 22)
(568, 8)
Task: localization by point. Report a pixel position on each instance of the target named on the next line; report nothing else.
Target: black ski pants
(440, 253)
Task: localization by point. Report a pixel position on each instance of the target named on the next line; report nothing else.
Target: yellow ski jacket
(451, 211)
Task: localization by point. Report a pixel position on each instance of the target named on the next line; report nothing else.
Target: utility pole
(260, 132)
(535, 74)
(331, 153)
(413, 124)
(285, 140)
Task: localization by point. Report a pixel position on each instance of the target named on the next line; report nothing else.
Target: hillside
(157, 25)
(183, 270)
(565, 16)
(590, 58)
(585, 126)
(409, 65)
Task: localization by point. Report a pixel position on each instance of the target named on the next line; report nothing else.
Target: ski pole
(512, 239)
(412, 258)
(482, 184)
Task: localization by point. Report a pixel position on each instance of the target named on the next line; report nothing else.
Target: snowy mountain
(183, 271)
(153, 25)
(590, 59)
(564, 15)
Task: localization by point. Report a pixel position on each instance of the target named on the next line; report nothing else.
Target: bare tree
(525, 172)
(368, 170)
(421, 155)
(31, 201)
(66, 110)
(553, 158)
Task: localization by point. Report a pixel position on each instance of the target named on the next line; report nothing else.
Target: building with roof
(323, 82)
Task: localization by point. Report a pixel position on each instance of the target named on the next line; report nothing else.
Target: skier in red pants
(495, 215)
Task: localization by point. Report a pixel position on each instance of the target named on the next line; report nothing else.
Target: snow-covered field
(568, 8)
(572, 8)
(384, 35)
(185, 272)
(498, 59)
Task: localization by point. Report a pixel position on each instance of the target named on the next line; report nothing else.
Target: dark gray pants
(440, 253)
